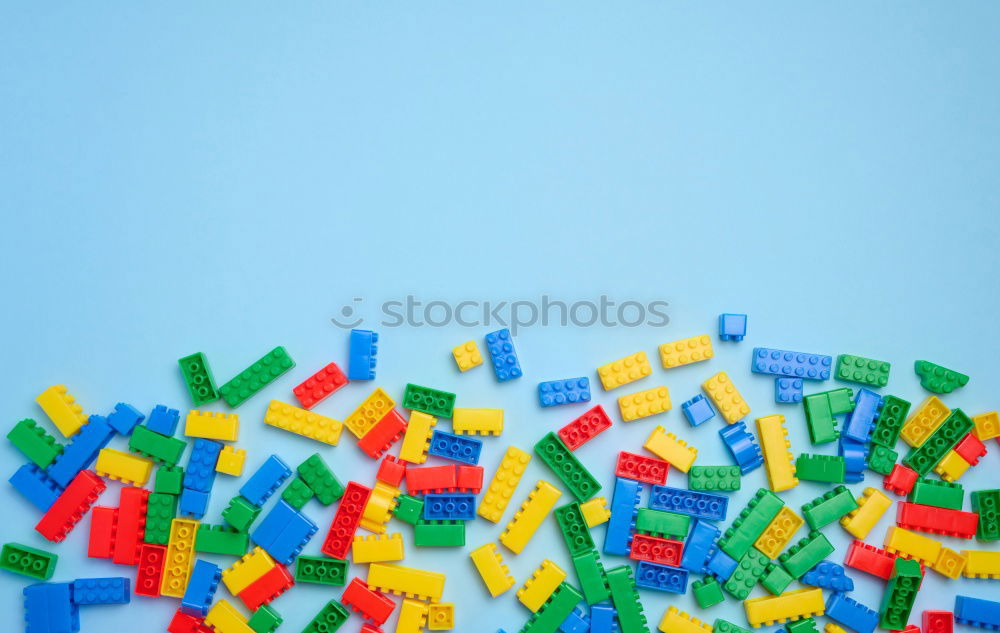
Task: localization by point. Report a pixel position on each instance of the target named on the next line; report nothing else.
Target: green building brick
(439, 534)
(28, 561)
(240, 513)
(409, 509)
(725, 626)
(198, 378)
(264, 620)
(321, 479)
(881, 459)
(552, 614)
(940, 494)
(820, 410)
(631, 619)
(806, 625)
(591, 574)
(434, 402)
(159, 448)
(926, 456)
(330, 618)
(34, 442)
(661, 523)
(824, 468)
(574, 529)
(169, 480)
(257, 376)
(938, 379)
(776, 579)
(751, 523)
(890, 420)
(321, 570)
(567, 467)
(806, 554)
(987, 504)
(297, 493)
(221, 539)
(707, 592)
(830, 507)
(160, 511)
(900, 594)
(867, 371)
(749, 570)
(714, 478)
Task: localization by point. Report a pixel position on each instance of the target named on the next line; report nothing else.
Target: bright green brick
(881, 459)
(751, 523)
(823, 511)
(725, 626)
(264, 620)
(940, 494)
(321, 570)
(867, 371)
(321, 479)
(590, 571)
(257, 376)
(564, 599)
(330, 618)
(806, 554)
(297, 493)
(567, 467)
(900, 594)
(823, 468)
(807, 625)
(925, 457)
(661, 523)
(890, 420)
(34, 442)
(409, 509)
(169, 480)
(439, 534)
(198, 378)
(28, 561)
(221, 539)
(160, 511)
(776, 579)
(434, 402)
(631, 619)
(707, 592)
(938, 379)
(987, 504)
(159, 448)
(574, 529)
(714, 478)
(820, 410)
(749, 570)
(240, 513)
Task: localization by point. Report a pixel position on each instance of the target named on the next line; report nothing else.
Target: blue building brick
(779, 362)
(36, 486)
(575, 622)
(283, 532)
(199, 474)
(82, 451)
(698, 410)
(363, 355)
(455, 447)
(552, 393)
(602, 618)
(977, 612)
(193, 503)
(124, 418)
(855, 456)
(721, 565)
(661, 577)
(787, 390)
(501, 347)
(850, 613)
(743, 446)
(49, 608)
(624, 508)
(699, 546)
(163, 420)
(262, 484)
(114, 590)
(449, 507)
(827, 575)
(701, 505)
(732, 327)
(201, 588)
(859, 423)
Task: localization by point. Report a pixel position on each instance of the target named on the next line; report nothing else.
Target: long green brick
(159, 448)
(900, 594)
(940, 494)
(830, 507)
(631, 619)
(591, 574)
(160, 511)
(574, 529)
(661, 523)
(28, 561)
(219, 539)
(751, 523)
(257, 376)
(198, 378)
(866, 371)
(34, 442)
(439, 534)
(925, 457)
(806, 554)
(890, 420)
(725, 626)
(822, 468)
(567, 467)
(555, 611)
(714, 478)
(987, 504)
(321, 570)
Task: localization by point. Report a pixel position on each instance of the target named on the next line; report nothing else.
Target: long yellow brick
(417, 438)
(212, 426)
(686, 351)
(533, 511)
(923, 421)
(981, 564)
(477, 421)
(667, 447)
(624, 370)
(491, 568)
(62, 409)
(247, 569)
(180, 557)
(305, 423)
(377, 548)
(503, 484)
(644, 403)
(540, 587)
(791, 605)
(911, 545)
(675, 621)
(224, 618)
(776, 448)
(406, 581)
(124, 467)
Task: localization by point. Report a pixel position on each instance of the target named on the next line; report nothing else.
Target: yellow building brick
(368, 413)
(872, 504)
(305, 423)
(726, 398)
(595, 512)
(503, 484)
(224, 618)
(675, 621)
(923, 421)
(467, 356)
(406, 581)
(123, 467)
(440, 617)
(231, 461)
(491, 568)
(378, 510)
(789, 606)
(952, 467)
(212, 426)
(412, 617)
(180, 557)
(377, 548)
(62, 409)
(987, 425)
(778, 533)
(981, 564)
(540, 587)
(667, 447)
(912, 545)
(247, 569)
(624, 370)
(526, 521)
(644, 403)
(776, 448)
(417, 438)
(949, 563)
(477, 421)
(687, 351)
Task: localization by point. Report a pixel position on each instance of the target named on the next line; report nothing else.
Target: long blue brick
(851, 613)
(36, 486)
(283, 532)
(449, 507)
(624, 507)
(859, 423)
(977, 612)
(82, 451)
(701, 505)
(661, 577)
(780, 362)
(265, 480)
(699, 545)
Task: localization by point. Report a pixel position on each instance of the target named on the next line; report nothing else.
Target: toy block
(477, 421)
(383, 435)
(585, 428)
(971, 449)
(321, 571)
(807, 625)
(265, 480)
(987, 425)
(49, 608)
(624, 370)
(283, 532)
(378, 510)
(198, 378)
(405, 581)
(937, 622)
(242, 573)
(320, 386)
(726, 398)
(924, 420)
(987, 504)
(977, 612)
(644, 403)
(212, 426)
(777, 454)
(698, 410)
(778, 532)
(576, 622)
(595, 512)
(539, 588)
(184, 623)
(34, 442)
(159, 448)
(149, 573)
(553, 393)
(828, 508)
(305, 423)
(940, 494)
(777, 362)
(870, 559)
(491, 569)
(124, 418)
(806, 554)
(201, 588)
(526, 521)
(169, 479)
(656, 550)
(855, 456)
(934, 520)
(192, 503)
(890, 421)
(881, 459)
(377, 548)
(900, 593)
(467, 356)
(219, 539)
(130, 525)
(714, 478)
(911, 545)
(871, 505)
(866, 371)
(163, 420)
(901, 480)
(631, 618)
(698, 547)
(750, 568)
(470, 479)
(449, 507)
(179, 558)
(265, 589)
(666, 446)
(788, 390)
(821, 468)
(662, 524)
(391, 471)
(725, 626)
(938, 379)
(455, 447)
(791, 605)
(330, 618)
(103, 522)
(701, 505)
(417, 438)
(820, 411)
(264, 620)
(860, 420)
(574, 529)
(753, 521)
(432, 479)
(254, 378)
(721, 565)
(566, 466)
(640, 468)
(660, 577)
(35, 485)
(952, 466)
(62, 409)
(28, 561)
(345, 522)
(231, 461)
(949, 563)
(80, 453)
(439, 533)
(923, 458)
(551, 616)
(506, 365)
(412, 617)
(981, 564)
(123, 467)
(686, 351)
(240, 513)
(199, 474)
(743, 446)
(827, 575)
(732, 327)
(70, 506)
(441, 616)
(675, 621)
(224, 618)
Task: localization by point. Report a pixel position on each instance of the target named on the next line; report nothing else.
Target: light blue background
(224, 178)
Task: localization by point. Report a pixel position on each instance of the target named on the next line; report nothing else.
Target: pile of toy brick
(160, 532)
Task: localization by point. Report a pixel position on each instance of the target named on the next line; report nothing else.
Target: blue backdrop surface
(227, 178)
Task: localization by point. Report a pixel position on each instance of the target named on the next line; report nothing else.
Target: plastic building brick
(417, 438)
(971, 449)
(890, 421)
(743, 446)
(469, 479)
(320, 386)
(265, 480)
(160, 511)
(640, 468)
(101, 543)
(330, 618)
(936, 520)
(707, 592)
(749, 570)
(725, 626)
(585, 428)
(491, 569)
(791, 605)
(981, 564)
(34, 442)
(911, 545)
(230, 461)
(242, 573)
(257, 376)
(574, 529)
(721, 565)
(28, 561)
(937, 622)
(625, 599)
(788, 390)
(851, 614)
(467, 356)
(321, 570)
(130, 525)
(987, 425)
(977, 612)
(699, 545)
(624, 370)
(163, 420)
(881, 459)
(949, 563)
(554, 612)
(82, 451)
(900, 593)
(224, 618)
(455, 447)
(820, 411)
(901, 480)
(952, 466)
(861, 420)
(377, 548)
(575, 622)
(726, 398)
(987, 504)
(539, 588)
(686, 351)
(864, 370)
(383, 435)
(123, 467)
(449, 507)
(240, 513)
(870, 559)
(198, 378)
(412, 617)
(391, 471)
(533, 511)
(675, 621)
(36, 486)
(201, 588)
(644, 403)
(698, 410)
(149, 573)
(778, 362)
(62, 409)
(212, 426)
(666, 446)
(192, 503)
(828, 508)
(49, 608)
(264, 620)
(923, 458)
(855, 456)
(940, 494)
(169, 479)
(432, 479)
(179, 558)
(872, 504)
(406, 581)
(938, 379)
(477, 421)
(199, 474)
(662, 524)
(827, 575)
(441, 616)
(595, 512)
(656, 550)
(265, 589)
(219, 539)
(124, 418)
(70, 506)
(500, 345)
(159, 448)
(806, 554)
(753, 521)
(283, 532)
(822, 468)
(926, 419)
(345, 521)
(701, 505)
(301, 422)
(714, 478)
(778, 533)
(732, 327)
(552, 393)
(439, 533)
(565, 465)
(777, 454)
